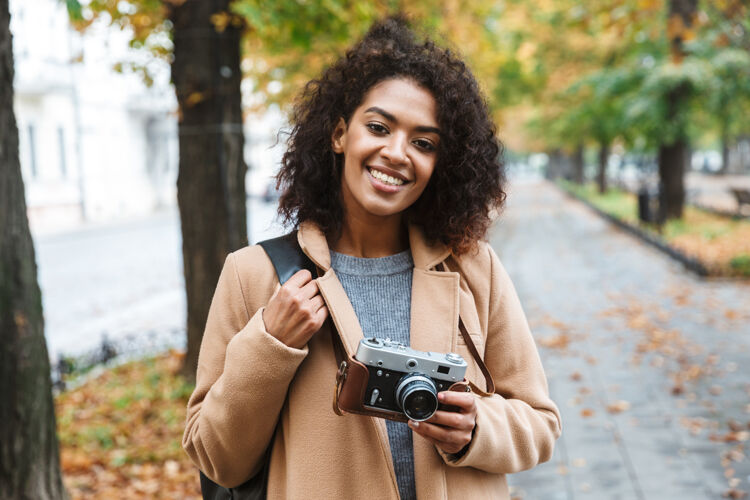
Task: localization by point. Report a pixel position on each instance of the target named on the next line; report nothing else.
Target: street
(646, 362)
(123, 281)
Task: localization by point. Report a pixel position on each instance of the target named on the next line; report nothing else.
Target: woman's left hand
(450, 431)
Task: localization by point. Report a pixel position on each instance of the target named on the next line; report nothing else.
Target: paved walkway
(647, 362)
(122, 280)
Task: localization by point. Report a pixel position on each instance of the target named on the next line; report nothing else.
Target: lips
(387, 176)
(383, 186)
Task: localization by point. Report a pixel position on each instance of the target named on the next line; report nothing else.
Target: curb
(690, 263)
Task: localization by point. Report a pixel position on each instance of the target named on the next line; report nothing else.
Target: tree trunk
(724, 153)
(743, 158)
(601, 177)
(578, 165)
(29, 454)
(552, 172)
(673, 154)
(211, 178)
(672, 161)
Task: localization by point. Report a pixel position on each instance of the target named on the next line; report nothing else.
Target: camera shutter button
(453, 357)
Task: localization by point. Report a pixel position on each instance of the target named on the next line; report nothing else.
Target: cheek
(425, 172)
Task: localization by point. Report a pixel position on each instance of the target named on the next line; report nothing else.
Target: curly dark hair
(467, 183)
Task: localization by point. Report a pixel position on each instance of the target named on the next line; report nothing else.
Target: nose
(395, 149)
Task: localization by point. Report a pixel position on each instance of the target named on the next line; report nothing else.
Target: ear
(338, 139)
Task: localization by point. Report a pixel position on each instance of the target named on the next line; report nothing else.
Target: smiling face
(390, 150)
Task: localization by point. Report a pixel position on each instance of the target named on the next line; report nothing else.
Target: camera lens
(416, 395)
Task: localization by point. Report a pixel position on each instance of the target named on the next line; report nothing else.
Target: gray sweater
(380, 292)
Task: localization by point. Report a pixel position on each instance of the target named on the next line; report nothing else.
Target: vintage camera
(402, 380)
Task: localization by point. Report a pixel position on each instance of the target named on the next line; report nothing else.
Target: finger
(299, 278)
(316, 303)
(308, 291)
(452, 419)
(463, 400)
(441, 434)
(321, 315)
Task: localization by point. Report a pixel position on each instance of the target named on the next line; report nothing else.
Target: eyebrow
(390, 117)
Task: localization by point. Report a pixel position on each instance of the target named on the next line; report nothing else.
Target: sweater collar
(425, 255)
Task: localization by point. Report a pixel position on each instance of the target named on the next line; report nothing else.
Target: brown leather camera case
(352, 378)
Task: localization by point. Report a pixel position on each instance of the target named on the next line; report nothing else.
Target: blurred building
(98, 145)
(94, 144)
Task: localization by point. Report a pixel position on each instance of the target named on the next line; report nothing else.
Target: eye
(377, 128)
(424, 144)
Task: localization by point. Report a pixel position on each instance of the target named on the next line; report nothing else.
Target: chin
(384, 211)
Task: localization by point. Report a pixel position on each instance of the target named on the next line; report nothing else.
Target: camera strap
(474, 353)
(480, 362)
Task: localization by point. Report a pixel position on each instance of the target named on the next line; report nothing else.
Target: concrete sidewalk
(646, 362)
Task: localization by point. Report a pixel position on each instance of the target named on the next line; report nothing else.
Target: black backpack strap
(287, 256)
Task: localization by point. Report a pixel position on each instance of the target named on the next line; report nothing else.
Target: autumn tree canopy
(556, 72)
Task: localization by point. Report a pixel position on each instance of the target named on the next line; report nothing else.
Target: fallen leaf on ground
(559, 341)
(120, 433)
(618, 407)
(730, 437)
(736, 454)
(735, 426)
(734, 493)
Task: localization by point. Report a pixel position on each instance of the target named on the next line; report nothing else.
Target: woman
(391, 173)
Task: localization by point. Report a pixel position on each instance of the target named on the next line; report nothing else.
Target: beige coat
(247, 381)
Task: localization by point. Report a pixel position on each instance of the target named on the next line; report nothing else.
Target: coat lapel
(313, 242)
(434, 322)
(434, 297)
(341, 311)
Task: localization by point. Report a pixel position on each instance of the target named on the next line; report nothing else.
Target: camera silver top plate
(390, 355)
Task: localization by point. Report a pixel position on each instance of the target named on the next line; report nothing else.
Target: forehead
(403, 98)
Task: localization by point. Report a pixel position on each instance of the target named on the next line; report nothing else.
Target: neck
(381, 237)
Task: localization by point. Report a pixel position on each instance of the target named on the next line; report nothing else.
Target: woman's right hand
(296, 311)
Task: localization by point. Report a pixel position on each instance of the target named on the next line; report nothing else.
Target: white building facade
(97, 145)
(94, 144)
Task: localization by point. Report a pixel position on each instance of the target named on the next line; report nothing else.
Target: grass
(615, 202)
(120, 433)
(720, 243)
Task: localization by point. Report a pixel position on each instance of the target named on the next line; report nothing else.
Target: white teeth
(385, 177)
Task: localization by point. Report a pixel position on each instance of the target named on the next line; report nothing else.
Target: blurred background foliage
(569, 71)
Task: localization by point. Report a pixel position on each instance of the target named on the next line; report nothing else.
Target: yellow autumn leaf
(194, 98)
(221, 20)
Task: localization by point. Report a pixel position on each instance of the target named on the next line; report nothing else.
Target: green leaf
(74, 10)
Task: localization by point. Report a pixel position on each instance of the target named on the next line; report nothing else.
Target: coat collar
(425, 255)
